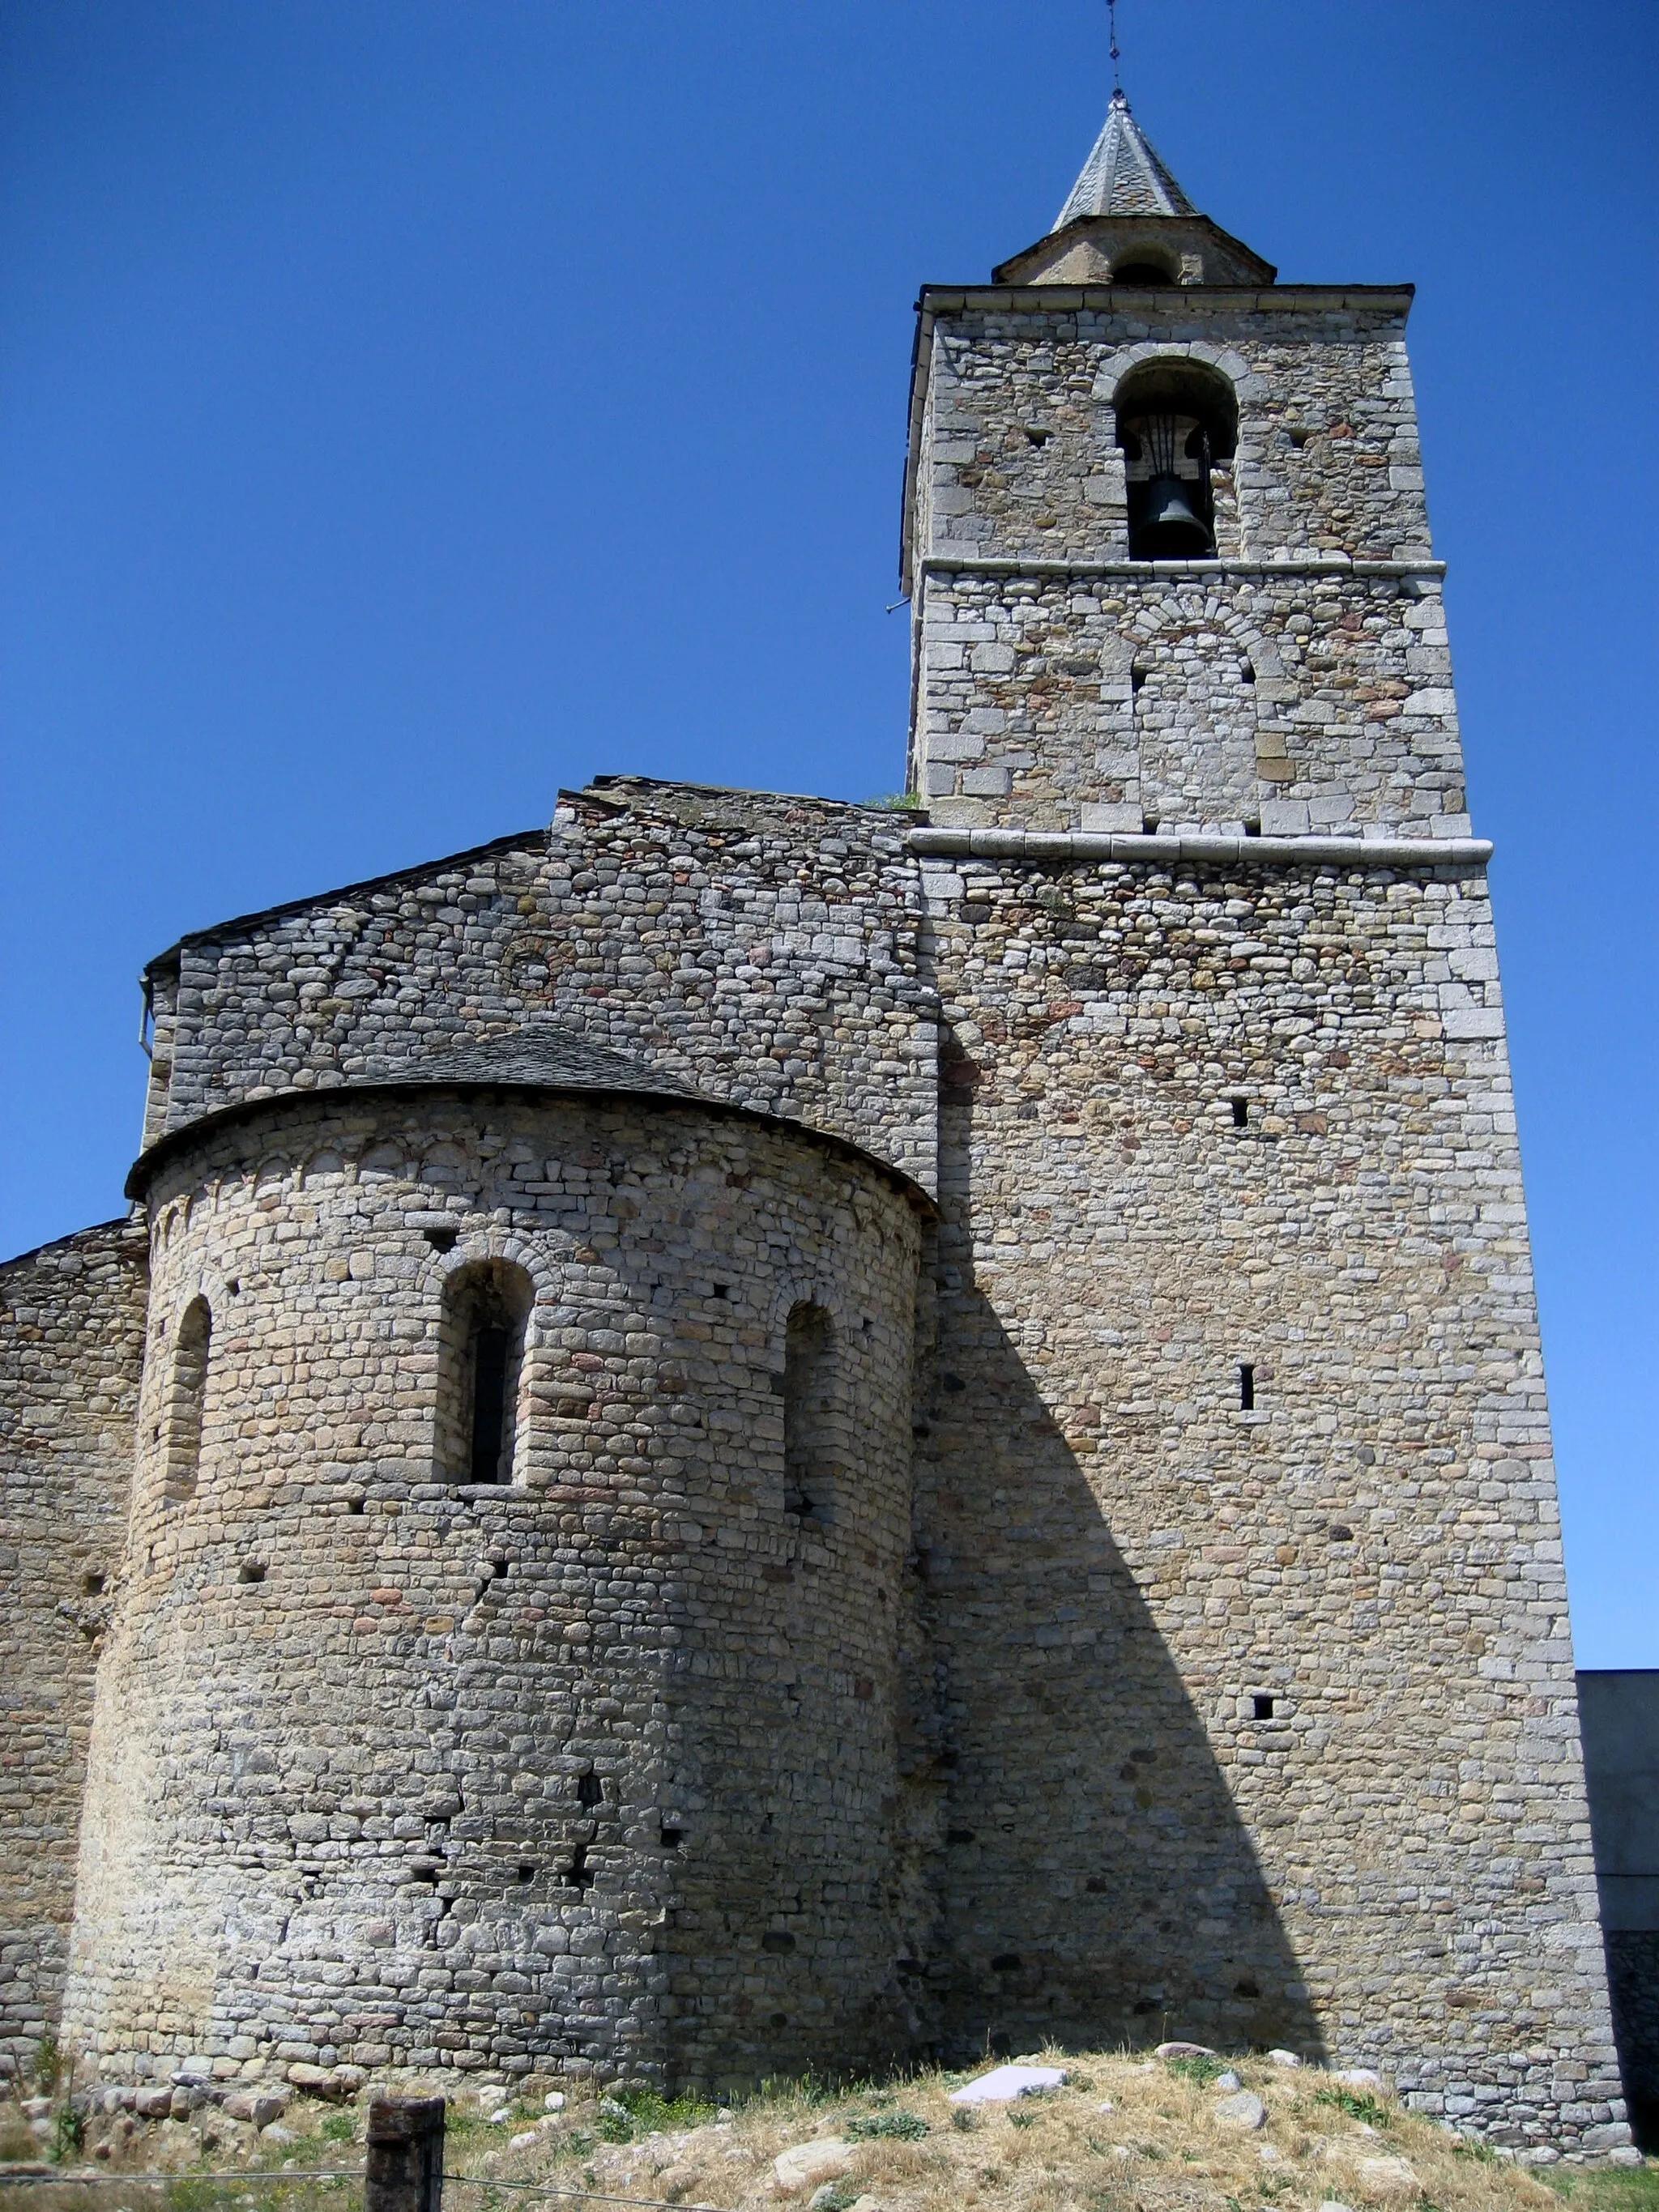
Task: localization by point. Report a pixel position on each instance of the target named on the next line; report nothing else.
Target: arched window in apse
(480, 1428)
(187, 1380)
(812, 1415)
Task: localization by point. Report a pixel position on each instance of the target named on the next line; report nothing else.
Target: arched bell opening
(1176, 420)
(1141, 274)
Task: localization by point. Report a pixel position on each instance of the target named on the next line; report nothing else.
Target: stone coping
(1184, 300)
(1060, 847)
(943, 560)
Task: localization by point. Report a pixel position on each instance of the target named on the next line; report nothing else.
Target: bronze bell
(1170, 530)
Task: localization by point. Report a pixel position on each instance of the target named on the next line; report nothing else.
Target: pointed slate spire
(1123, 175)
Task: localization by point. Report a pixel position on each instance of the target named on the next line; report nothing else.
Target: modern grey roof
(1123, 175)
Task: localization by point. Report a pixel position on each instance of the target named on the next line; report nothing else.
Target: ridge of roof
(1124, 174)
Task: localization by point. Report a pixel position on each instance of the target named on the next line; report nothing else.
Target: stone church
(737, 1432)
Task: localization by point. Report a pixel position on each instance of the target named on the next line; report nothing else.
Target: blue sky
(407, 409)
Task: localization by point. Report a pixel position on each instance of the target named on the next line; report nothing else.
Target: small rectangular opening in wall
(671, 1839)
(526, 1872)
(1246, 1387)
(93, 1585)
(1261, 1708)
(251, 1571)
(1241, 1113)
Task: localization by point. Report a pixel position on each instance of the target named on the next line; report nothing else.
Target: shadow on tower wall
(1097, 1884)
(1633, 1985)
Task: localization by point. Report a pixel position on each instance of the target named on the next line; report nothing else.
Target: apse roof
(555, 1055)
(1123, 175)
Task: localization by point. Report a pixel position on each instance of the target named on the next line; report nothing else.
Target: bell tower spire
(1126, 213)
(1124, 174)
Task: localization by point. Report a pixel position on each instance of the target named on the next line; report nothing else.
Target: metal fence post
(405, 2167)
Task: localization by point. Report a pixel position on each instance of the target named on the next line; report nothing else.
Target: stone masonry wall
(71, 1346)
(1260, 1725)
(759, 949)
(1021, 455)
(595, 1769)
(1301, 681)
(1287, 703)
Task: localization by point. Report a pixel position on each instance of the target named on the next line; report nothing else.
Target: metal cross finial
(1111, 18)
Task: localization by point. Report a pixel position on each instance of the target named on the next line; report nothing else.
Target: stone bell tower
(1166, 540)
(1236, 1510)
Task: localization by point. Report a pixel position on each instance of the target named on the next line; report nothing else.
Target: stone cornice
(1062, 847)
(1313, 564)
(1177, 299)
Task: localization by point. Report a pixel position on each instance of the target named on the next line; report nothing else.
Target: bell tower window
(1142, 275)
(1176, 420)
(486, 1306)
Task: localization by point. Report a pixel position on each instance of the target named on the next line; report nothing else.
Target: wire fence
(50, 2177)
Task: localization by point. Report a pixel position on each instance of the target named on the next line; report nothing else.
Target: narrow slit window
(810, 1416)
(482, 1373)
(1262, 1709)
(489, 1359)
(1246, 1387)
(1241, 1113)
(181, 1461)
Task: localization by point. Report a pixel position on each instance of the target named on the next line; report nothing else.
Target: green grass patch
(1198, 2069)
(654, 2114)
(1603, 2188)
(194, 2192)
(886, 2127)
(69, 2132)
(1358, 2104)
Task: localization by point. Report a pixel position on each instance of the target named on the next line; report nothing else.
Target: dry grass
(1160, 2147)
(1125, 2134)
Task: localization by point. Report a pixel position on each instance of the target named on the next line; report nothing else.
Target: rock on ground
(805, 2165)
(1245, 2109)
